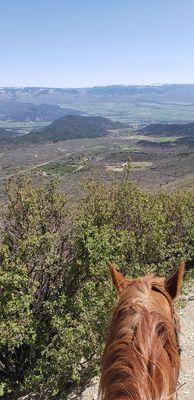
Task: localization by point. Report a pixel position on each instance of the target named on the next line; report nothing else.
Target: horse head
(142, 353)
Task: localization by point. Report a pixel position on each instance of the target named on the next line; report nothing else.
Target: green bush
(56, 295)
(36, 252)
(140, 232)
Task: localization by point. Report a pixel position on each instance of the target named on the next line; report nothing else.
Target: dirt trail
(23, 171)
(186, 391)
(186, 381)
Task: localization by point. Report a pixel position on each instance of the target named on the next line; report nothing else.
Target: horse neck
(140, 359)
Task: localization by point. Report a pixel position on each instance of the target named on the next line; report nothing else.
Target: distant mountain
(186, 141)
(4, 132)
(131, 103)
(185, 132)
(7, 136)
(162, 94)
(169, 129)
(25, 112)
(72, 127)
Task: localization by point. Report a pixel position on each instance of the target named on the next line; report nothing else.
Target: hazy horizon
(98, 85)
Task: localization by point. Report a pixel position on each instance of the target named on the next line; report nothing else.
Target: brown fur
(141, 357)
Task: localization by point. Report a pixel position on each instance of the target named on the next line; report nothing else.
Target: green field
(145, 112)
(125, 147)
(22, 125)
(161, 139)
(58, 169)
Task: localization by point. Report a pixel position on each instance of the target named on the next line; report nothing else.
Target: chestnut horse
(142, 355)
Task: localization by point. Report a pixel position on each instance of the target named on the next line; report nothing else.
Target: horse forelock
(141, 348)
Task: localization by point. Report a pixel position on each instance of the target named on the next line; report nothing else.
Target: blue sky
(63, 43)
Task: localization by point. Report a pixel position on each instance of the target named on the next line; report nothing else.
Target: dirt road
(186, 381)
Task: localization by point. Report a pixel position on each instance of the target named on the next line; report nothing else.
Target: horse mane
(139, 335)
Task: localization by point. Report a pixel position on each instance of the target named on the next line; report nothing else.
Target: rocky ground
(185, 390)
(186, 381)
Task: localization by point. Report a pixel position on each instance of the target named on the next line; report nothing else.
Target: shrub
(56, 295)
(34, 279)
(141, 232)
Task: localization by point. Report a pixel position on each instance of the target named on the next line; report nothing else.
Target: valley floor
(153, 167)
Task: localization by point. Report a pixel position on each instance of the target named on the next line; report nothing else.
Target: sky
(78, 43)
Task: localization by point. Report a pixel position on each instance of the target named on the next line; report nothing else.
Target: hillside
(169, 129)
(4, 133)
(183, 132)
(25, 112)
(7, 134)
(72, 127)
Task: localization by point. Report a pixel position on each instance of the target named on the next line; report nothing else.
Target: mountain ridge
(29, 112)
(179, 93)
(128, 103)
(183, 132)
(162, 129)
(71, 127)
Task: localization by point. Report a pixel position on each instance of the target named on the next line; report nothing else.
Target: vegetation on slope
(72, 127)
(67, 127)
(56, 294)
(7, 136)
(183, 132)
(24, 112)
(169, 129)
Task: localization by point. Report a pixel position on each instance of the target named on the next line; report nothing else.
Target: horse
(141, 358)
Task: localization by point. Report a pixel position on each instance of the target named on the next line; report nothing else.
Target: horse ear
(118, 279)
(174, 283)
